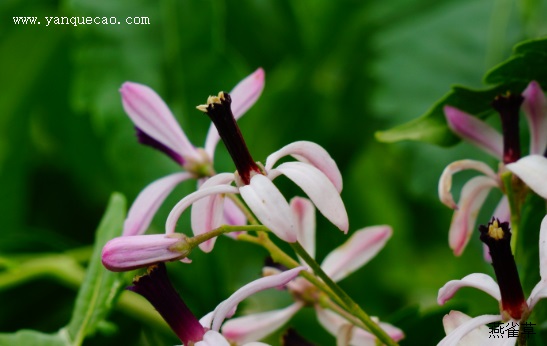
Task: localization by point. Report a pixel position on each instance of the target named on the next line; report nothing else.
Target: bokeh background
(336, 72)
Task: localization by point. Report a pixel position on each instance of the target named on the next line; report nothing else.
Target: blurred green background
(336, 72)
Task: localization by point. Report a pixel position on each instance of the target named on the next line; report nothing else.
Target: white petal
(360, 248)
(472, 198)
(151, 115)
(212, 338)
(475, 131)
(224, 308)
(318, 188)
(539, 292)
(471, 331)
(148, 201)
(304, 215)
(313, 154)
(532, 170)
(543, 249)
(445, 182)
(479, 281)
(270, 207)
(243, 95)
(535, 109)
(257, 326)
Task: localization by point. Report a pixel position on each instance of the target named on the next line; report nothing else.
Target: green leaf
(31, 337)
(101, 287)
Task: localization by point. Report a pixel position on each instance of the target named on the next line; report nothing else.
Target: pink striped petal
(532, 170)
(257, 326)
(473, 194)
(360, 248)
(132, 252)
(229, 305)
(152, 116)
(479, 281)
(304, 215)
(535, 109)
(318, 188)
(187, 201)
(270, 207)
(464, 330)
(244, 96)
(148, 201)
(445, 182)
(475, 131)
(313, 154)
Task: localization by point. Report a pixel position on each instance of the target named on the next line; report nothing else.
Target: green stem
(348, 303)
(514, 199)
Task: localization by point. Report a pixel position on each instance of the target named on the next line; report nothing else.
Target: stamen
(508, 107)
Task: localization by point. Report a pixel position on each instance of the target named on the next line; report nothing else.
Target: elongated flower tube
(315, 173)
(157, 289)
(508, 291)
(506, 148)
(156, 127)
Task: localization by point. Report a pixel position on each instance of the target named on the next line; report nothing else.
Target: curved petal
(535, 109)
(532, 170)
(304, 215)
(128, 253)
(445, 182)
(224, 308)
(257, 326)
(244, 95)
(539, 292)
(360, 248)
(472, 198)
(148, 201)
(311, 153)
(318, 188)
(270, 207)
(152, 116)
(208, 212)
(475, 131)
(212, 338)
(479, 281)
(184, 203)
(464, 333)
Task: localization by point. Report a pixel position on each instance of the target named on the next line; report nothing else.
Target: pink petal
(535, 109)
(445, 182)
(224, 308)
(475, 131)
(187, 201)
(532, 170)
(232, 214)
(148, 201)
(473, 330)
(257, 326)
(318, 188)
(244, 95)
(360, 248)
(313, 154)
(151, 115)
(131, 252)
(212, 338)
(304, 215)
(479, 281)
(270, 207)
(472, 198)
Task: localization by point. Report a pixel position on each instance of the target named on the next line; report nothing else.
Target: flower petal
(311, 153)
(539, 292)
(152, 116)
(473, 194)
(224, 308)
(535, 109)
(479, 281)
(475, 131)
(270, 207)
(131, 252)
(148, 201)
(212, 338)
(465, 333)
(360, 248)
(187, 201)
(543, 249)
(532, 170)
(244, 95)
(318, 188)
(445, 182)
(304, 215)
(257, 326)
